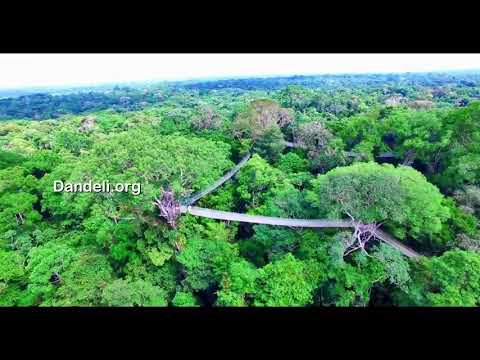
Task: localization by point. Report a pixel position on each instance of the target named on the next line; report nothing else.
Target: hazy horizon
(21, 71)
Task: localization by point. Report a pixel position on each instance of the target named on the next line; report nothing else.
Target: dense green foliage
(399, 196)
(400, 150)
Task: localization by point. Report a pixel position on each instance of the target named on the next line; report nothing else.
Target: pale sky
(21, 70)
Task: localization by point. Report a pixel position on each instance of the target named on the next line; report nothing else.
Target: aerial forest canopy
(396, 153)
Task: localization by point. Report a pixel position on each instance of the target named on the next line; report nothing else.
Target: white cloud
(18, 70)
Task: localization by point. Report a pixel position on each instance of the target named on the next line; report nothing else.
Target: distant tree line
(341, 95)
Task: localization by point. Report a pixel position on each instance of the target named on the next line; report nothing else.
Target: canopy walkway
(389, 154)
(389, 239)
(267, 220)
(184, 207)
(300, 223)
(195, 197)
